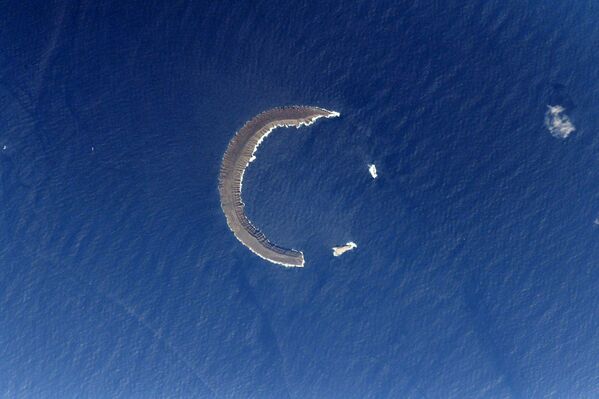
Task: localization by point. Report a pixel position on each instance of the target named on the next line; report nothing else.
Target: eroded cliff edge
(240, 152)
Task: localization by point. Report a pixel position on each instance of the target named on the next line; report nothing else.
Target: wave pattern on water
(476, 270)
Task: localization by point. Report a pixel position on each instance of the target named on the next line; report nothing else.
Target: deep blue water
(476, 269)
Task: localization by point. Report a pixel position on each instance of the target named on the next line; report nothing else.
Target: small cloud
(558, 122)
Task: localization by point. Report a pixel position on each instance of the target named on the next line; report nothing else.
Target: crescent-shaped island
(240, 152)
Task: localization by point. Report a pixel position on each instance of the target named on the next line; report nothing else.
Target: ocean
(475, 273)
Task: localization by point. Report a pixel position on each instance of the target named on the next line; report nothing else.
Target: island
(372, 170)
(239, 154)
(338, 251)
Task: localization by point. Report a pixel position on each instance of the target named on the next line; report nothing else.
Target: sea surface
(476, 273)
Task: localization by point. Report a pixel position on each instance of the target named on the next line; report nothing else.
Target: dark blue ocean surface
(476, 273)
